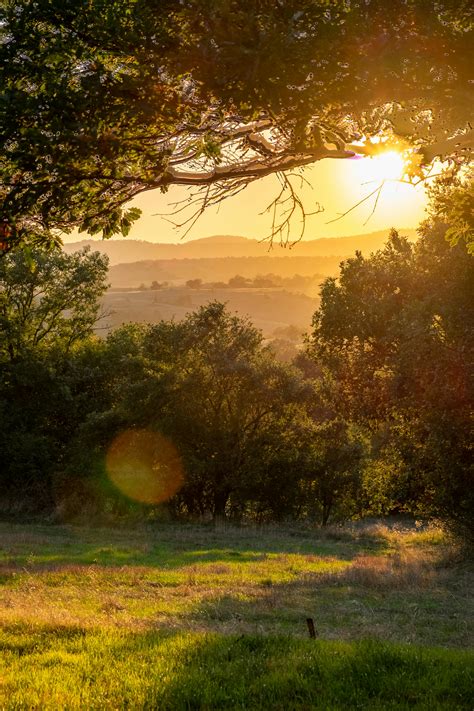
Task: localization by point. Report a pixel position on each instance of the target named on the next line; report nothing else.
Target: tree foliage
(209, 386)
(454, 206)
(48, 300)
(49, 373)
(102, 101)
(396, 332)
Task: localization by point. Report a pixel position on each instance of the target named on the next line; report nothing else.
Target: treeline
(198, 419)
(297, 282)
(261, 281)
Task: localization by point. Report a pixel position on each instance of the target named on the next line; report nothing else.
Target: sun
(386, 166)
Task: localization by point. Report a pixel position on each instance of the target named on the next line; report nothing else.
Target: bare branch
(286, 205)
(379, 191)
(364, 199)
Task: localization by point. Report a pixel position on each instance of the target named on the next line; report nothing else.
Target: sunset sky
(337, 185)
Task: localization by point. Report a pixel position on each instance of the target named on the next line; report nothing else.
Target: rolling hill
(135, 265)
(220, 246)
(178, 271)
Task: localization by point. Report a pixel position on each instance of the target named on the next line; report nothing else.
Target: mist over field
(270, 303)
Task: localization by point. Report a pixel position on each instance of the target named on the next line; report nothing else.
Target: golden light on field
(145, 466)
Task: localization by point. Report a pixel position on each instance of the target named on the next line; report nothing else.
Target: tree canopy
(49, 377)
(49, 300)
(229, 407)
(102, 101)
(395, 330)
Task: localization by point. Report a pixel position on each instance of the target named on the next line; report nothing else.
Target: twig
(364, 199)
(376, 202)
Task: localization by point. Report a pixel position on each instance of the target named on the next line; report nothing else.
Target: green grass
(74, 669)
(200, 617)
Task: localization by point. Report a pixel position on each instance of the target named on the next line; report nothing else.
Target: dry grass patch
(406, 569)
(403, 585)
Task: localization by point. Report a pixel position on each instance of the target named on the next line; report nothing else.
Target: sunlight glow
(145, 466)
(386, 166)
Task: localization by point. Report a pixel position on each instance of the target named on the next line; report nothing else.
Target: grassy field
(187, 617)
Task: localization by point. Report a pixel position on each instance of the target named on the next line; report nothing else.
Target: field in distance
(181, 616)
(136, 265)
(269, 309)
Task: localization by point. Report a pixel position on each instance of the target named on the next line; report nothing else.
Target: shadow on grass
(343, 609)
(169, 546)
(21, 639)
(90, 669)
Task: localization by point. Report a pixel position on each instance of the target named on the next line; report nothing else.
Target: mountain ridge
(220, 246)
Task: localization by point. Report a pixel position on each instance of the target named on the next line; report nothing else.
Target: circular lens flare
(145, 466)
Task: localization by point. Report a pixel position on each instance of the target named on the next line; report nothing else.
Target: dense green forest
(197, 419)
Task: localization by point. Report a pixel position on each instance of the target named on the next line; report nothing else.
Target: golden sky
(336, 184)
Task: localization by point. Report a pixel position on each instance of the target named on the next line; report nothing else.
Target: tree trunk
(327, 506)
(220, 502)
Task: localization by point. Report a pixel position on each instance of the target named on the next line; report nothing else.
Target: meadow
(203, 617)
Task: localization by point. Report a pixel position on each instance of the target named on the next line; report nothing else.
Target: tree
(51, 370)
(44, 401)
(360, 323)
(334, 467)
(218, 402)
(209, 386)
(395, 331)
(194, 283)
(106, 100)
(283, 349)
(238, 282)
(48, 300)
(453, 205)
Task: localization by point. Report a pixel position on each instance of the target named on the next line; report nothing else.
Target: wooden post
(311, 630)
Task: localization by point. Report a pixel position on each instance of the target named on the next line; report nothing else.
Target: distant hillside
(268, 309)
(178, 271)
(220, 246)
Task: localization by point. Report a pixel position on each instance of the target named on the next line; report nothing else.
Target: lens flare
(145, 466)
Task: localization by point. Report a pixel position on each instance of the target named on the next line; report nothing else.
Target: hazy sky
(336, 184)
